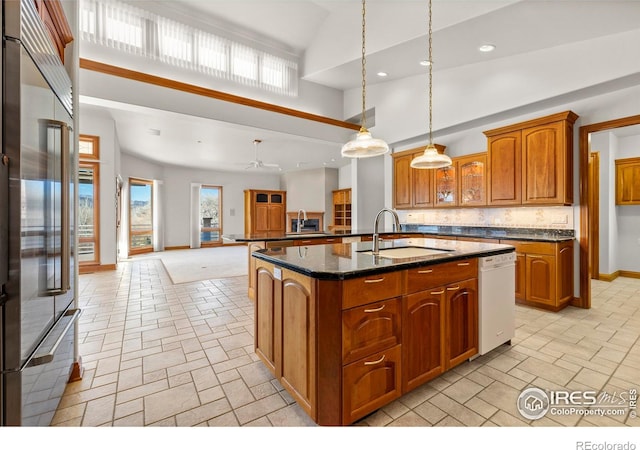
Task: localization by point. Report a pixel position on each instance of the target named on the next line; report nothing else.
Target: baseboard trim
(76, 372)
(186, 247)
(609, 276)
(91, 268)
(177, 247)
(542, 306)
(629, 274)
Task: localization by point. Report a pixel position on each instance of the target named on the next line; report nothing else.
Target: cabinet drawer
(538, 248)
(370, 328)
(428, 277)
(363, 290)
(317, 241)
(370, 383)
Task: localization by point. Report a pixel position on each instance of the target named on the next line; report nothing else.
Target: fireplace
(314, 222)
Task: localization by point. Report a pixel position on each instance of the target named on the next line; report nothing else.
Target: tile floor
(159, 354)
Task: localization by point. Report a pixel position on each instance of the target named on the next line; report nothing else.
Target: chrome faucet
(376, 243)
(301, 221)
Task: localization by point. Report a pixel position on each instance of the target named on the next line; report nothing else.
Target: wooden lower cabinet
(344, 349)
(423, 337)
(544, 273)
(371, 383)
(461, 321)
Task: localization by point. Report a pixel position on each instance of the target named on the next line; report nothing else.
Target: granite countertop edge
(515, 235)
(408, 263)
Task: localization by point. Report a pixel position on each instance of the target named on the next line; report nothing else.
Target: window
(210, 215)
(140, 216)
(88, 202)
(123, 27)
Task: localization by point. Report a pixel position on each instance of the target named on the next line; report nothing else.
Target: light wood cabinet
(341, 210)
(544, 273)
(371, 383)
(504, 178)
(464, 183)
(412, 188)
(264, 212)
(424, 337)
(446, 186)
(472, 180)
(343, 349)
(531, 162)
(440, 320)
(628, 181)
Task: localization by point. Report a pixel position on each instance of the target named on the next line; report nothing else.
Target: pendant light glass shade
(364, 146)
(431, 159)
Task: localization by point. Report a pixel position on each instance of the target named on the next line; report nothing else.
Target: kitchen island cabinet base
(340, 347)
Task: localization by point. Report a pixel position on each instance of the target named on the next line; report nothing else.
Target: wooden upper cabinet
(505, 168)
(532, 162)
(446, 186)
(412, 188)
(423, 189)
(546, 164)
(472, 182)
(628, 181)
(55, 21)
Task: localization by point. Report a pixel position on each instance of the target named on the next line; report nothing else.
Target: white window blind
(126, 28)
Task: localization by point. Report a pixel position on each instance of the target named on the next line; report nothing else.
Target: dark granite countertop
(520, 234)
(517, 234)
(343, 261)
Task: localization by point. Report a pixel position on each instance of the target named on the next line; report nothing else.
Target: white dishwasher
(496, 301)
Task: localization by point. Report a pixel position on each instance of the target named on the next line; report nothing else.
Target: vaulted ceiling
(326, 36)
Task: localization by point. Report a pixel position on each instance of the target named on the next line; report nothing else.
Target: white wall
(311, 190)
(177, 184)
(628, 217)
(344, 177)
(368, 194)
(96, 123)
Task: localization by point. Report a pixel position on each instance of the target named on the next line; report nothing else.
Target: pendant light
(364, 145)
(431, 159)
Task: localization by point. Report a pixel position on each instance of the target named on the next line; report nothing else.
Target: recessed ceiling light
(425, 62)
(153, 131)
(487, 48)
(382, 74)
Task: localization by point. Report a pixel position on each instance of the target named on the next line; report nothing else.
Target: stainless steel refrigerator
(37, 229)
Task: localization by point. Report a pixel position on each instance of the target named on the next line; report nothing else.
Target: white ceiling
(326, 36)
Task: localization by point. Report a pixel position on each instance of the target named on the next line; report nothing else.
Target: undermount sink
(407, 252)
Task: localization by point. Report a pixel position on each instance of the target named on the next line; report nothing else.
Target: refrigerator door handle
(65, 258)
(38, 359)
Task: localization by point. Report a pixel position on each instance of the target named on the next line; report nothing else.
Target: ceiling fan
(257, 163)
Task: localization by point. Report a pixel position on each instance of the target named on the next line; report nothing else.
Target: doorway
(586, 212)
(594, 208)
(140, 216)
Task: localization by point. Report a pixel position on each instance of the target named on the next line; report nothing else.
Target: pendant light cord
(363, 125)
(430, 80)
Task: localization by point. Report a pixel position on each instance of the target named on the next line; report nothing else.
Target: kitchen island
(346, 332)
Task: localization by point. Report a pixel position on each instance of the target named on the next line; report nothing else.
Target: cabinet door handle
(425, 271)
(463, 264)
(437, 293)
(453, 288)
(377, 280)
(373, 363)
(374, 309)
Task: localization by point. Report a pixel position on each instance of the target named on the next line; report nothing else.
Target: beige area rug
(186, 266)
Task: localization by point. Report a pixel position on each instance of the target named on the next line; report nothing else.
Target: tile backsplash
(551, 217)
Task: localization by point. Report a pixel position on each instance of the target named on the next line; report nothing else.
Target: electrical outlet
(638, 241)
